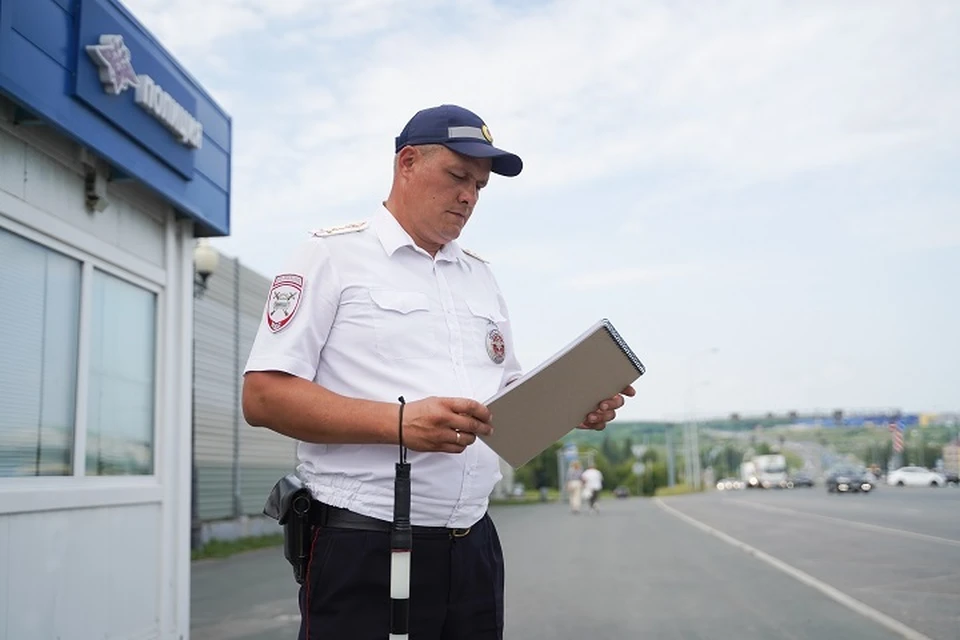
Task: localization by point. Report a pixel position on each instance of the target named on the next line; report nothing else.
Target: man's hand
(606, 411)
(449, 425)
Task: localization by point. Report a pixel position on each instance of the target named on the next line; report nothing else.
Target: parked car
(952, 478)
(849, 479)
(915, 477)
(621, 492)
(802, 479)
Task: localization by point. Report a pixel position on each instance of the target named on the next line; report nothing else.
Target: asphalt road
(637, 570)
(896, 550)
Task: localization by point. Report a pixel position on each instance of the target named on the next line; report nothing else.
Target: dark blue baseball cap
(459, 130)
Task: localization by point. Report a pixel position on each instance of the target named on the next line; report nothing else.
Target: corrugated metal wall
(236, 464)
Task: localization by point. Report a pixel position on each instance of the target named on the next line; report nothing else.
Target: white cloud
(663, 115)
(586, 91)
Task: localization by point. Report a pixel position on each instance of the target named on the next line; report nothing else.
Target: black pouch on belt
(290, 504)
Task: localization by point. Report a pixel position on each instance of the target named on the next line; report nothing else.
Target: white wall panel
(12, 164)
(139, 234)
(75, 575)
(55, 189)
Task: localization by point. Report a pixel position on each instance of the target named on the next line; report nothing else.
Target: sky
(762, 197)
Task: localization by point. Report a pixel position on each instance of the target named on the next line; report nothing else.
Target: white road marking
(850, 523)
(831, 592)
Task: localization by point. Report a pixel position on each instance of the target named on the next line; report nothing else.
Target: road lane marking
(831, 592)
(852, 523)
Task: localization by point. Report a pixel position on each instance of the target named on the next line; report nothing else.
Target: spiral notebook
(555, 397)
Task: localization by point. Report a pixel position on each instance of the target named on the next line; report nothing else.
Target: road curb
(831, 592)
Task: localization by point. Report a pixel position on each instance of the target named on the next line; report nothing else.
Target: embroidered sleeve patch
(284, 300)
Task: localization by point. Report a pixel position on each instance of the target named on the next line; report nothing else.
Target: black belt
(337, 518)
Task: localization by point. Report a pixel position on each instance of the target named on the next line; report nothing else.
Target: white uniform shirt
(378, 318)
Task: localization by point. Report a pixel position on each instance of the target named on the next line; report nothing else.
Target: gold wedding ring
(458, 436)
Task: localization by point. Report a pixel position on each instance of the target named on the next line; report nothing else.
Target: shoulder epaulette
(474, 255)
(344, 228)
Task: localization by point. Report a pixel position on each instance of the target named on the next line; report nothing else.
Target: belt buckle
(459, 533)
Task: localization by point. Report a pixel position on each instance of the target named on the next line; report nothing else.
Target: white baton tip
(400, 575)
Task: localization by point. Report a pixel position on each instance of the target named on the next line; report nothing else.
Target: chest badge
(284, 300)
(496, 347)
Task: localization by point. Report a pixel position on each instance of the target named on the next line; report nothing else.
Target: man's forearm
(306, 411)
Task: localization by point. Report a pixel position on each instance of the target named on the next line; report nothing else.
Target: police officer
(368, 312)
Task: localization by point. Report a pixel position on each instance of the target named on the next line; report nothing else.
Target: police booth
(112, 161)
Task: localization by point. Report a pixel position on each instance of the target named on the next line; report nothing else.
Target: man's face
(444, 188)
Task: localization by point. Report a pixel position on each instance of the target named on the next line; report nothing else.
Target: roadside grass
(675, 490)
(528, 497)
(226, 548)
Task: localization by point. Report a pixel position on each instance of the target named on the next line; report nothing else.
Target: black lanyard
(401, 543)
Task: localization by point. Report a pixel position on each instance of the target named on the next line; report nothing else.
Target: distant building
(951, 456)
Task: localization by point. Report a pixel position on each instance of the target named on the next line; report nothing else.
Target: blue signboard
(130, 70)
(89, 69)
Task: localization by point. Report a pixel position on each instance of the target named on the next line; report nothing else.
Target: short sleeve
(299, 312)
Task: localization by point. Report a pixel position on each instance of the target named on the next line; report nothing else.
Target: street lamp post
(692, 430)
(205, 259)
(671, 462)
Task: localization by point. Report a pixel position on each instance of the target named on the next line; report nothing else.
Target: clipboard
(548, 401)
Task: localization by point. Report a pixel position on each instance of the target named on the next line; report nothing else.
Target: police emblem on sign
(284, 300)
(496, 347)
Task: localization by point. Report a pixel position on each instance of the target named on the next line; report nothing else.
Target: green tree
(727, 462)
(541, 469)
(794, 461)
(653, 477)
(608, 449)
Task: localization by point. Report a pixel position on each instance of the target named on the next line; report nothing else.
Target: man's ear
(407, 158)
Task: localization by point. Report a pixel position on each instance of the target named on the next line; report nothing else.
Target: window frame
(77, 489)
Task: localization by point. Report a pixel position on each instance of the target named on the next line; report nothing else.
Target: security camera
(95, 190)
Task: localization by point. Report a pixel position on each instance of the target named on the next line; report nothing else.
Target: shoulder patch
(474, 255)
(344, 228)
(284, 300)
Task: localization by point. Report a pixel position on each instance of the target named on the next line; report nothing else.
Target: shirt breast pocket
(403, 324)
(487, 343)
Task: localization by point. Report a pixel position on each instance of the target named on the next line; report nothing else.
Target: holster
(290, 504)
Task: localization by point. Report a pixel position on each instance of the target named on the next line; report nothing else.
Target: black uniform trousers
(456, 586)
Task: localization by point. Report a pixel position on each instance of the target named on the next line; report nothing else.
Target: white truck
(765, 472)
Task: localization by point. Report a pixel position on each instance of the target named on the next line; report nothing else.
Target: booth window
(39, 329)
(40, 343)
(121, 384)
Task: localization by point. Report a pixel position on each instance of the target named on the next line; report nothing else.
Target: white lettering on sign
(116, 73)
(164, 108)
